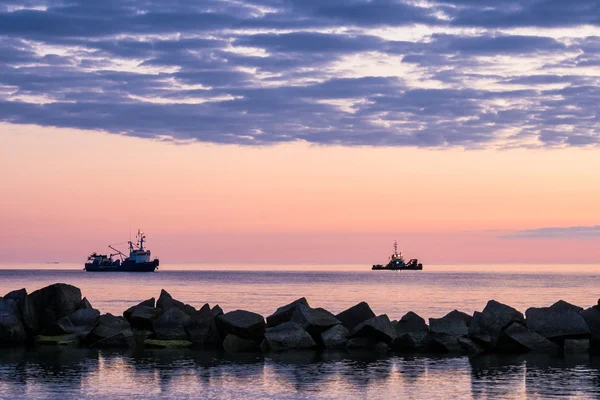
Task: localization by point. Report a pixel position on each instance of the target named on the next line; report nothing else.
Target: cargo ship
(138, 260)
(397, 262)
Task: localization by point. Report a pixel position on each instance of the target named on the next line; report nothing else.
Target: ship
(138, 260)
(397, 262)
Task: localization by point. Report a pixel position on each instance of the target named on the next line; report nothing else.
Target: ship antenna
(395, 246)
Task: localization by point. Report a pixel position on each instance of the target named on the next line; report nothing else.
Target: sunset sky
(282, 131)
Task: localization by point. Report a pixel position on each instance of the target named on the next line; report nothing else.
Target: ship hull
(126, 266)
(397, 267)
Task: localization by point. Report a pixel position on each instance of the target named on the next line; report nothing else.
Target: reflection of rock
(111, 331)
(236, 344)
(284, 313)
(353, 316)
(518, 338)
(288, 336)
(12, 330)
(335, 337)
(576, 346)
(558, 322)
(487, 326)
(244, 324)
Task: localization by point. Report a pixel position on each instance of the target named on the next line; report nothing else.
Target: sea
(52, 373)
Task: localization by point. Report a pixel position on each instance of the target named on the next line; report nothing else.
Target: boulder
(110, 331)
(202, 330)
(80, 322)
(216, 311)
(517, 338)
(236, 344)
(487, 326)
(142, 316)
(355, 315)
(12, 330)
(410, 323)
(470, 347)
(19, 297)
(450, 324)
(284, 313)
(335, 337)
(165, 302)
(171, 325)
(84, 303)
(363, 343)
(445, 342)
(314, 320)
(459, 314)
(591, 316)
(411, 332)
(147, 304)
(558, 322)
(378, 328)
(47, 305)
(562, 305)
(576, 346)
(243, 324)
(288, 336)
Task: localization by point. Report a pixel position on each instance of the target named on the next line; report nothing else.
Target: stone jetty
(58, 315)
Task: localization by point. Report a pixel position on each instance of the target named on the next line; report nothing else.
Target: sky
(287, 131)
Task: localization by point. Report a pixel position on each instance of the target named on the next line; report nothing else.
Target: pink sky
(66, 193)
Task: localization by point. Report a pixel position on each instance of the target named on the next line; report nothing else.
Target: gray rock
(487, 326)
(518, 338)
(591, 316)
(165, 302)
(84, 304)
(241, 323)
(362, 343)
(80, 322)
(202, 331)
(147, 304)
(142, 316)
(557, 323)
(576, 346)
(236, 344)
(216, 311)
(412, 342)
(171, 325)
(355, 315)
(470, 346)
(410, 323)
(111, 331)
(314, 320)
(335, 337)
(562, 305)
(19, 297)
(378, 328)
(284, 313)
(12, 330)
(47, 305)
(450, 324)
(459, 314)
(444, 342)
(288, 336)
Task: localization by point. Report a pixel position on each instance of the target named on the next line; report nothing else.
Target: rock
(576, 346)
(288, 336)
(216, 311)
(147, 304)
(591, 316)
(470, 346)
(459, 314)
(335, 337)
(362, 343)
(236, 344)
(562, 305)
(487, 326)
(111, 331)
(444, 342)
(80, 322)
(19, 297)
(167, 344)
(411, 332)
(165, 302)
(241, 323)
(284, 313)
(84, 304)
(171, 325)
(411, 342)
(142, 316)
(518, 338)
(314, 320)
(410, 323)
(59, 340)
(378, 328)
(558, 322)
(355, 315)
(47, 305)
(12, 330)
(450, 324)
(202, 330)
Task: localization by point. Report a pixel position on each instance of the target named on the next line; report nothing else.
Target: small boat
(138, 260)
(397, 263)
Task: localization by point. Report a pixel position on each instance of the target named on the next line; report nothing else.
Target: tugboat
(397, 262)
(138, 260)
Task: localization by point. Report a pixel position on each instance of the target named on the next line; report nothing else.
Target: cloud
(574, 232)
(259, 72)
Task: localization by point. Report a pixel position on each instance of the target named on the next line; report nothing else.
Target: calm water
(187, 374)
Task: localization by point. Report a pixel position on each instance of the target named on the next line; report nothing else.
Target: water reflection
(90, 374)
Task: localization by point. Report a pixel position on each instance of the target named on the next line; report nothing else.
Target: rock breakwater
(58, 315)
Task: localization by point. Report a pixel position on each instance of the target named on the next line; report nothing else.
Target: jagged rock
(335, 337)
(450, 324)
(287, 336)
(355, 315)
(202, 330)
(562, 305)
(244, 324)
(147, 304)
(69, 339)
(378, 328)
(111, 331)
(19, 297)
(487, 326)
(284, 313)
(236, 344)
(518, 338)
(576, 346)
(141, 335)
(167, 344)
(362, 343)
(171, 325)
(459, 314)
(445, 342)
(142, 316)
(47, 305)
(314, 320)
(470, 346)
(411, 332)
(591, 317)
(84, 304)
(80, 322)
(558, 322)
(216, 311)
(165, 302)
(12, 330)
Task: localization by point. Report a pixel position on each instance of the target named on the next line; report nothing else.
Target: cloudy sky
(289, 130)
